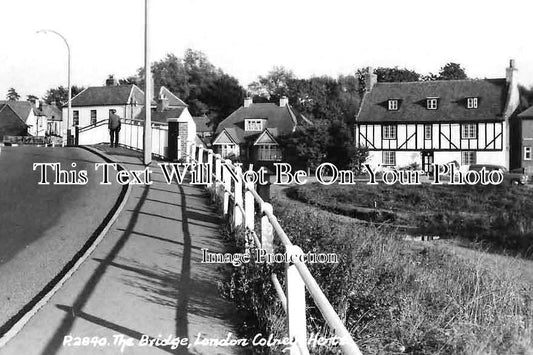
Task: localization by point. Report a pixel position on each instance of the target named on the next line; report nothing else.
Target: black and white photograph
(285, 177)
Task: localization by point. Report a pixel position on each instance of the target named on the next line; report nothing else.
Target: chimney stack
(162, 103)
(247, 101)
(370, 79)
(510, 72)
(283, 101)
(111, 81)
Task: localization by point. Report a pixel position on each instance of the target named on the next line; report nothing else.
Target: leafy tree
(59, 96)
(205, 88)
(12, 95)
(389, 75)
(32, 98)
(133, 79)
(274, 85)
(452, 71)
(306, 146)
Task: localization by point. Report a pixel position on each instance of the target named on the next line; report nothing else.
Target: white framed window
(468, 131)
(389, 131)
(389, 157)
(227, 150)
(468, 158)
(93, 116)
(268, 152)
(393, 105)
(527, 153)
(428, 131)
(75, 117)
(431, 103)
(471, 102)
(253, 125)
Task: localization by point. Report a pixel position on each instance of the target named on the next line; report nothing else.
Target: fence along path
(238, 202)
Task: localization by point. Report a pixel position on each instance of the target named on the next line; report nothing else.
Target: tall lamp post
(68, 75)
(147, 89)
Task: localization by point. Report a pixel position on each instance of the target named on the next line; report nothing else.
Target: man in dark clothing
(114, 128)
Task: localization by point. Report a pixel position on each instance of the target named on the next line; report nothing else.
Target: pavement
(144, 289)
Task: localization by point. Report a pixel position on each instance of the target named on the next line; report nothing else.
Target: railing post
(200, 159)
(267, 231)
(192, 153)
(249, 209)
(296, 305)
(227, 185)
(210, 167)
(237, 214)
(218, 174)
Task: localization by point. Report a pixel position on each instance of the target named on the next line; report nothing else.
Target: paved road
(43, 226)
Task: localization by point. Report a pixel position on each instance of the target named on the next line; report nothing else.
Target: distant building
(96, 103)
(428, 122)
(20, 118)
(250, 132)
(524, 139)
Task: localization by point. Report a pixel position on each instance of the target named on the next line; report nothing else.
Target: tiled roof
(202, 124)
(162, 116)
(7, 112)
(51, 111)
(108, 95)
(284, 119)
(21, 108)
(452, 97)
(527, 113)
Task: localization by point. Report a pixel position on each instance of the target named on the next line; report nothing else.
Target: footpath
(143, 284)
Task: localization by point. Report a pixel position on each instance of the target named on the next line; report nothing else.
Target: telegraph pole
(147, 89)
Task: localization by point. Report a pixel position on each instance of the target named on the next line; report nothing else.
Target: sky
(246, 38)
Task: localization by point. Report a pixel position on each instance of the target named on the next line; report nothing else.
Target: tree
(389, 75)
(274, 85)
(59, 96)
(12, 95)
(32, 98)
(452, 71)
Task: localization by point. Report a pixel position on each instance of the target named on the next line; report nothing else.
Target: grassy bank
(499, 215)
(395, 297)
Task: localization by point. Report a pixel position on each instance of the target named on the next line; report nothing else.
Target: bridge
(140, 286)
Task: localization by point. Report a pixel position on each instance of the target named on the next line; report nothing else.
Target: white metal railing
(130, 136)
(298, 277)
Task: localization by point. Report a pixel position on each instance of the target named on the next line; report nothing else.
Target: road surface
(43, 226)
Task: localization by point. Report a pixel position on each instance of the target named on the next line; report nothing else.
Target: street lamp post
(68, 76)
(147, 89)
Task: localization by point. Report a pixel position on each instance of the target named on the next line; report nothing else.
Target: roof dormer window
(431, 103)
(393, 105)
(471, 102)
(253, 125)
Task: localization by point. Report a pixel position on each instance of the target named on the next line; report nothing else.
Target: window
(75, 117)
(469, 131)
(428, 132)
(431, 103)
(468, 158)
(93, 116)
(227, 150)
(527, 153)
(393, 105)
(471, 102)
(389, 132)
(253, 125)
(389, 158)
(268, 152)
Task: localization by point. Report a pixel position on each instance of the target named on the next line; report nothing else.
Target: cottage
(250, 132)
(20, 118)
(421, 123)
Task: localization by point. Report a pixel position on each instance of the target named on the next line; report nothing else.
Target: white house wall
(102, 113)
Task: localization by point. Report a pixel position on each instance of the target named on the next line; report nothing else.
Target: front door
(427, 161)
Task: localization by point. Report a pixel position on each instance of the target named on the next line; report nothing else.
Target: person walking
(114, 128)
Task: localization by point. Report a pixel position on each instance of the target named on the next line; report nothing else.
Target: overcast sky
(248, 38)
